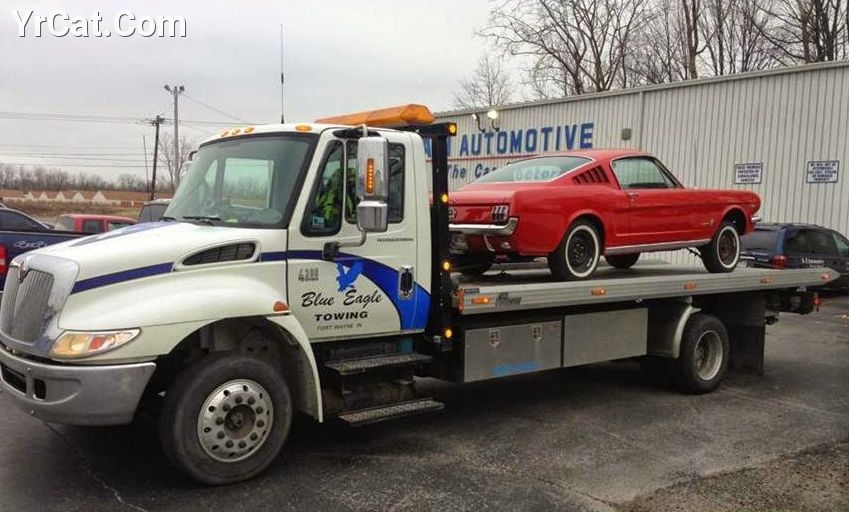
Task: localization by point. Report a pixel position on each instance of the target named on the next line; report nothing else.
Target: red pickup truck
(83, 223)
(578, 206)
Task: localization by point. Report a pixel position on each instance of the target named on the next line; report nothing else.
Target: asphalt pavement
(602, 437)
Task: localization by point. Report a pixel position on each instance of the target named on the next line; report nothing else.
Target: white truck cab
(304, 266)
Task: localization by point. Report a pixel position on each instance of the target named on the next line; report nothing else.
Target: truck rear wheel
(226, 418)
(703, 359)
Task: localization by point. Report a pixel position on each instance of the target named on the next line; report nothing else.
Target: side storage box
(595, 337)
(510, 350)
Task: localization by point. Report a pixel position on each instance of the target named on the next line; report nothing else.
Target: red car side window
(641, 173)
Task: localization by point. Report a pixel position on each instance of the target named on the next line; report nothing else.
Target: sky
(339, 57)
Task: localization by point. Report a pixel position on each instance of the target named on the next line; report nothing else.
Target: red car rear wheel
(577, 255)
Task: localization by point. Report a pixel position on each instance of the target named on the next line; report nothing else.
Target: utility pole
(176, 91)
(282, 81)
(156, 121)
(144, 148)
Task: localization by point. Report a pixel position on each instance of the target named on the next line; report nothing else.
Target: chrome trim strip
(486, 229)
(664, 246)
(756, 218)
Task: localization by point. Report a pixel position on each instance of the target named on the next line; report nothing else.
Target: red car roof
(595, 154)
(93, 216)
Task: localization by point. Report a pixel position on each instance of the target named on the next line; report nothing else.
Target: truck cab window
(324, 213)
(92, 226)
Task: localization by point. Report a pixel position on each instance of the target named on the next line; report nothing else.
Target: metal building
(782, 133)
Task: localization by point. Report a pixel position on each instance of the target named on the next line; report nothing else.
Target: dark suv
(797, 246)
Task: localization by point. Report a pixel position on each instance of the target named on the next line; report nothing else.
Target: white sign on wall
(822, 171)
(749, 173)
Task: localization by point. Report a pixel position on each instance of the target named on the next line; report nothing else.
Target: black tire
(577, 256)
(184, 416)
(622, 261)
(723, 252)
(703, 359)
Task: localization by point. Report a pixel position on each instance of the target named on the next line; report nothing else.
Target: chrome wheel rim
(708, 355)
(235, 420)
(582, 251)
(728, 247)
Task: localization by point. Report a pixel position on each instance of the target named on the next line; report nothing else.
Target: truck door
(368, 289)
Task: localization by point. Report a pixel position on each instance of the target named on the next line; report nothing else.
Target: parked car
(575, 207)
(20, 233)
(86, 223)
(798, 246)
(153, 210)
(13, 219)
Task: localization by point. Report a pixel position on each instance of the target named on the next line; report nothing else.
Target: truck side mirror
(372, 184)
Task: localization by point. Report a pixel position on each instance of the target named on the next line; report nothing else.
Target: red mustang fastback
(578, 206)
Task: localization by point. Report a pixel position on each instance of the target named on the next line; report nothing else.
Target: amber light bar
(392, 117)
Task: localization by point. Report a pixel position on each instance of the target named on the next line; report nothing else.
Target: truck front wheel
(704, 355)
(226, 418)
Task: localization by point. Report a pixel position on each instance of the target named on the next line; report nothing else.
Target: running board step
(390, 412)
(354, 366)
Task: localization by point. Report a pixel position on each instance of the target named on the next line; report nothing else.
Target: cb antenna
(282, 81)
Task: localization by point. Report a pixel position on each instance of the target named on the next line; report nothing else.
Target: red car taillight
(779, 261)
(500, 213)
(3, 266)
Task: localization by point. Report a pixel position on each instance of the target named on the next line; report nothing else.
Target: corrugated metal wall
(701, 129)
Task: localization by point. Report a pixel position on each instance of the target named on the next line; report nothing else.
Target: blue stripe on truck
(413, 312)
(120, 277)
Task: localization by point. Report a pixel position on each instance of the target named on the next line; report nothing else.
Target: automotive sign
(749, 173)
(822, 171)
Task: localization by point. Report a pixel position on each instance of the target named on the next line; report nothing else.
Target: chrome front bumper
(74, 395)
(486, 229)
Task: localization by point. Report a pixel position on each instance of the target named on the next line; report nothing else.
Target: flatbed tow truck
(305, 267)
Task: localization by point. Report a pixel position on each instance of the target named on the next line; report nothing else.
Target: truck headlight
(73, 344)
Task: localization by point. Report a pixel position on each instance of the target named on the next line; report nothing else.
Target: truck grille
(24, 304)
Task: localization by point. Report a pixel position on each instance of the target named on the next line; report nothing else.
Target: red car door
(660, 210)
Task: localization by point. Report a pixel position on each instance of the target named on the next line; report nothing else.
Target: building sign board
(822, 171)
(748, 173)
(472, 155)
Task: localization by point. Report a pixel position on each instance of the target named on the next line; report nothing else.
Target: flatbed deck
(517, 290)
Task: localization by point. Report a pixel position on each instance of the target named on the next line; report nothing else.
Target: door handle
(405, 282)
(632, 195)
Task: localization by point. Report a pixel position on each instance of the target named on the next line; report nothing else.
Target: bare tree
(490, 85)
(808, 30)
(575, 46)
(658, 53)
(733, 31)
(175, 169)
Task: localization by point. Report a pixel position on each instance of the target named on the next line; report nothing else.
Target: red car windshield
(534, 169)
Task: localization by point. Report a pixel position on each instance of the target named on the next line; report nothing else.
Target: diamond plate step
(390, 412)
(354, 366)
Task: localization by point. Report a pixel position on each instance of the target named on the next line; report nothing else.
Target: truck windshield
(535, 169)
(247, 182)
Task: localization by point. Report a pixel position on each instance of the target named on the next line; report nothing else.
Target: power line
(74, 164)
(91, 118)
(215, 109)
(61, 154)
(73, 146)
